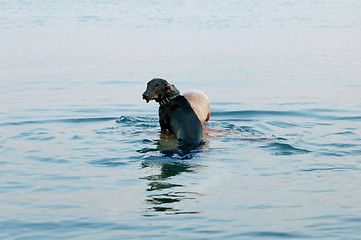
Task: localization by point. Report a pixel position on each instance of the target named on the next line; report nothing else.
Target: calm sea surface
(80, 152)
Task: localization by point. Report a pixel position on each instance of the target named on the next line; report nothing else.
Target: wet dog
(176, 115)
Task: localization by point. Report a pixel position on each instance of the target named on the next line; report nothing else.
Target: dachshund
(176, 115)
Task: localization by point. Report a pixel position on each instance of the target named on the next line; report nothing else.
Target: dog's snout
(146, 97)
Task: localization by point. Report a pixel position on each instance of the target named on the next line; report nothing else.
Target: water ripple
(48, 159)
(108, 162)
(16, 225)
(241, 115)
(270, 234)
(328, 169)
(285, 149)
(68, 120)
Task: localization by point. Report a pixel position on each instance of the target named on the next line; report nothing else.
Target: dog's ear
(172, 89)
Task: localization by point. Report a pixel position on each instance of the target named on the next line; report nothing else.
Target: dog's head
(159, 89)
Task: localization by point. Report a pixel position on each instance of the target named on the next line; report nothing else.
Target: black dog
(175, 113)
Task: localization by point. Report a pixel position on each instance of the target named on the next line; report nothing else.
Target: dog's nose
(145, 97)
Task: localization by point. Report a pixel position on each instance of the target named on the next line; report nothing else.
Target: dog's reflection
(164, 195)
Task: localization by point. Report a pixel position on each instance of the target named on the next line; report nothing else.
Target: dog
(176, 115)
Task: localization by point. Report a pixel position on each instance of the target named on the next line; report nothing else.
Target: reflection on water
(163, 192)
(168, 146)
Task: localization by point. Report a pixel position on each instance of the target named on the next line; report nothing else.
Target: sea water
(81, 155)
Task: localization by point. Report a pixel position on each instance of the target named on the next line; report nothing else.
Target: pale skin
(200, 104)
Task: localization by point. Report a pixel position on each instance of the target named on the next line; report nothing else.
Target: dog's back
(179, 118)
(175, 113)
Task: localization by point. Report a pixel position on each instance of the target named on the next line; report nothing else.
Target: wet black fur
(177, 115)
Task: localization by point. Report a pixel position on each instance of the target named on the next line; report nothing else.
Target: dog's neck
(167, 100)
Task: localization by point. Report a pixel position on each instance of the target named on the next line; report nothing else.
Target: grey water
(81, 155)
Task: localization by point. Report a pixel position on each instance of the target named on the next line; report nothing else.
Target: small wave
(132, 119)
(48, 159)
(15, 225)
(282, 124)
(343, 133)
(256, 113)
(144, 122)
(135, 119)
(311, 113)
(326, 169)
(108, 162)
(270, 234)
(354, 118)
(285, 149)
(67, 120)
